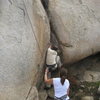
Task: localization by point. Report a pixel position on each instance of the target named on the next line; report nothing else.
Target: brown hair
(53, 47)
(63, 75)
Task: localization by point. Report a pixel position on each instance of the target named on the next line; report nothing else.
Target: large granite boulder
(77, 26)
(24, 34)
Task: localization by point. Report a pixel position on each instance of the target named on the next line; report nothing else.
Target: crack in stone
(45, 3)
(95, 16)
(10, 2)
(65, 44)
(22, 10)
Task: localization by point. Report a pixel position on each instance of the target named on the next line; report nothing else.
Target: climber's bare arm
(68, 91)
(48, 81)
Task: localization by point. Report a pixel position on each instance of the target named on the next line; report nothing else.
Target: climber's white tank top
(59, 89)
(51, 57)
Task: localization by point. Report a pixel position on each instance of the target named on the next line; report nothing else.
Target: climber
(61, 84)
(52, 59)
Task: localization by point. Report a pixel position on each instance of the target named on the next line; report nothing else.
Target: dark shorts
(51, 67)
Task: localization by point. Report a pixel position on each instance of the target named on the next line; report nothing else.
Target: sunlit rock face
(77, 25)
(24, 34)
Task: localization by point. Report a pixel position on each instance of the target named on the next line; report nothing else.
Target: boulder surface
(77, 26)
(24, 34)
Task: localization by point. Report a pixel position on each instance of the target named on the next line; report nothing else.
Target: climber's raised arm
(46, 80)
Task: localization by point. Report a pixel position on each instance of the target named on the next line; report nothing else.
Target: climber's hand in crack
(46, 70)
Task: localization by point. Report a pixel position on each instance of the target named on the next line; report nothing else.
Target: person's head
(63, 75)
(54, 47)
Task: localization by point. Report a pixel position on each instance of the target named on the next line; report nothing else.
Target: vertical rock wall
(24, 34)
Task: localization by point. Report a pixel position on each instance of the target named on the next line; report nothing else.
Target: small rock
(87, 98)
(80, 90)
(82, 86)
(91, 76)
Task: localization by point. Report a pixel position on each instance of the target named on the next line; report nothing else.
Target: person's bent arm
(48, 81)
